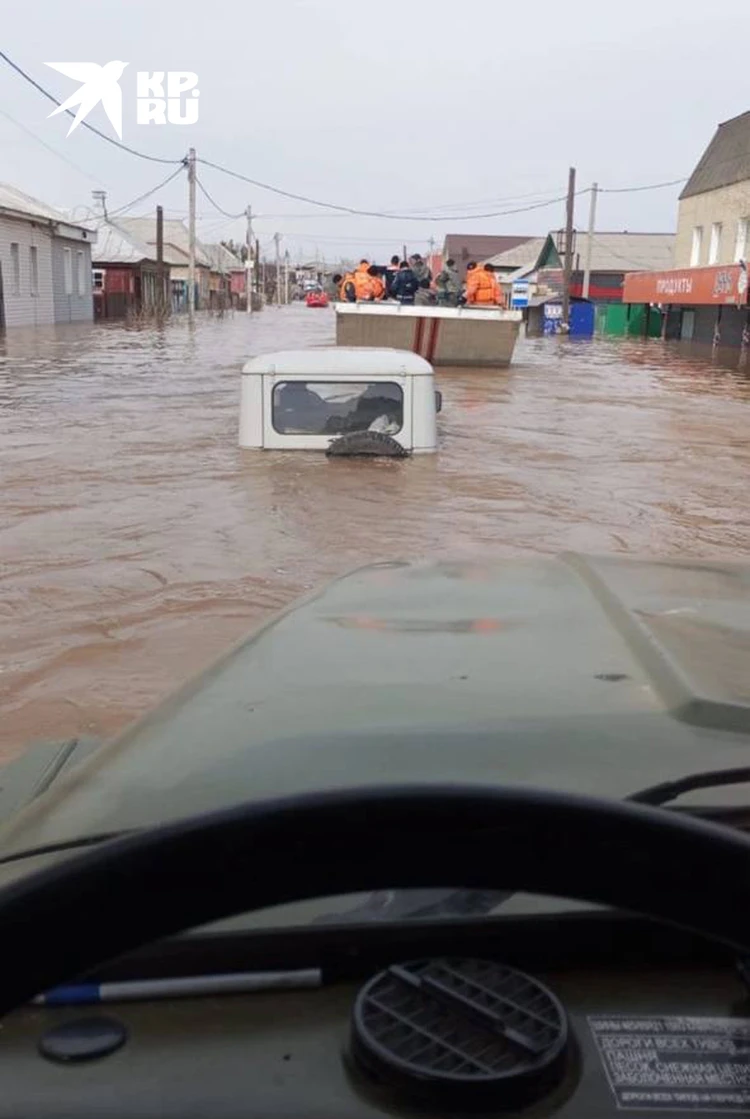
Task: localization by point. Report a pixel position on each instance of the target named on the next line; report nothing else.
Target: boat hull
(445, 336)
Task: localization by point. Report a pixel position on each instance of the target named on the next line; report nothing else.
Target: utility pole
(161, 294)
(191, 232)
(249, 259)
(257, 272)
(432, 249)
(277, 238)
(100, 199)
(568, 265)
(590, 241)
(286, 276)
(404, 257)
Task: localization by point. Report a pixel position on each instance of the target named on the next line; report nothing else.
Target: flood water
(137, 541)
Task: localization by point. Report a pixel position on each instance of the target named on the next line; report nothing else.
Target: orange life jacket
(377, 287)
(362, 282)
(483, 288)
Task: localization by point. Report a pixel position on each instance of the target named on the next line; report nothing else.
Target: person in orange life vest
(363, 280)
(376, 284)
(471, 282)
(484, 288)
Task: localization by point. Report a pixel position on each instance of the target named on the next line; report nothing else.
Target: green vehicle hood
(593, 675)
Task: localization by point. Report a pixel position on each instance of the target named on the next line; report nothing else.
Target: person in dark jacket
(424, 297)
(390, 275)
(405, 285)
(421, 269)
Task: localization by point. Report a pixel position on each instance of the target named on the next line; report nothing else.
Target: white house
(45, 264)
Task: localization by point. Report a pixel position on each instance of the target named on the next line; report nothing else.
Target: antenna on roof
(100, 200)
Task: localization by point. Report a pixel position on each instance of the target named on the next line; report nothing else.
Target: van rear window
(333, 407)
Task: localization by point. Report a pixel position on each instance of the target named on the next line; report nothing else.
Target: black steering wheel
(61, 921)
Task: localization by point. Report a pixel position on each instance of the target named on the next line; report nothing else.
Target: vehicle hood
(593, 675)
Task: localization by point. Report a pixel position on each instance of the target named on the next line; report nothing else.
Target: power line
(143, 197)
(329, 205)
(85, 123)
(49, 147)
(633, 190)
(215, 204)
(374, 213)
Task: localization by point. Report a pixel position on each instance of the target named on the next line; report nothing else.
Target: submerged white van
(347, 401)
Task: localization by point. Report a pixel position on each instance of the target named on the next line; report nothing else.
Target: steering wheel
(69, 917)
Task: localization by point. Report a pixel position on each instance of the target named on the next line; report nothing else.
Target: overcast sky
(442, 106)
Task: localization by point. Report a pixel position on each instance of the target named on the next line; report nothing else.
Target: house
(45, 264)
(713, 217)
(613, 255)
(703, 294)
(227, 278)
(463, 247)
(126, 275)
(176, 254)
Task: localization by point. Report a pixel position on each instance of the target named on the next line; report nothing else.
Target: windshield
(545, 586)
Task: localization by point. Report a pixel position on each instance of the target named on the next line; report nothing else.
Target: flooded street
(137, 540)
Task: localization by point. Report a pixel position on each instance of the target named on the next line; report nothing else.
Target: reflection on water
(137, 540)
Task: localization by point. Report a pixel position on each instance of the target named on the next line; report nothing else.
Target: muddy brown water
(137, 541)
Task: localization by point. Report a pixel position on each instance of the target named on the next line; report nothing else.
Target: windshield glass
(221, 587)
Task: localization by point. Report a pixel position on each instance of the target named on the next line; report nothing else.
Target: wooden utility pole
(286, 276)
(249, 259)
(257, 269)
(589, 242)
(568, 264)
(161, 293)
(191, 232)
(404, 257)
(277, 239)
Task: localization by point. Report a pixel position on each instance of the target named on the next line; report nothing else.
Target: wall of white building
(26, 290)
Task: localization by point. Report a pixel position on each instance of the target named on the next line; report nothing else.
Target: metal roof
(610, 252)
(118, 246)
(626, 252)
(17, 202)
(726, 160)
(347, 362)
(176, 239)
(463, 247)
(222, 259)
(519, 257)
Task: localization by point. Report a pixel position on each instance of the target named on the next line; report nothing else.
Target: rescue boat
(316, 299)
(473, 337)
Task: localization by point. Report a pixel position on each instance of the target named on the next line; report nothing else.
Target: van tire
(369, 443)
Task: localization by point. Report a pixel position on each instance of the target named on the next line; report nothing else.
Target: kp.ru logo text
(153, 104)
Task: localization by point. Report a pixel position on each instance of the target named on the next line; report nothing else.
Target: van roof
(347, 362)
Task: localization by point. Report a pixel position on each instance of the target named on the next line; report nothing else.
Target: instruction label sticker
(675, 1064)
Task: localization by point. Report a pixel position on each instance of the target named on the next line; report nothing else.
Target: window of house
(714, 247)
(80, 273)
(34, 270)
(697, 247)
(98, 278)
(331, 408)
(68, 271)
(15, 268)
(740, 245)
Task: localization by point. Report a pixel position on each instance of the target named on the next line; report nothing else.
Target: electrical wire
(316, 202)
(49, 148)
(215, 204)
(143, 197)
(635, 189)
(375, 213)
(50, 97)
